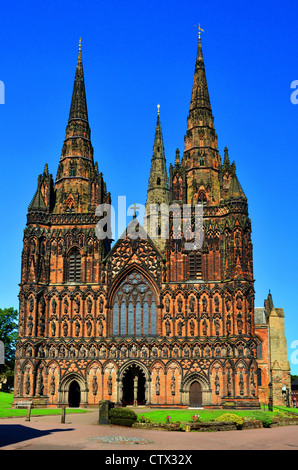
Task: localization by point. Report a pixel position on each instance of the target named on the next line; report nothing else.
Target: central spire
(201, 157)
(78, 108)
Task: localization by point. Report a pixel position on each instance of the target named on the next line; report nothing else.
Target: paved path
(81, 432)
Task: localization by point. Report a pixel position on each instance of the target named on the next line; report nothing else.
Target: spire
(158, 180)
(201, 157)
(43, 198)
(78, 108)
(158, 187)
(200, 94)
(226, 157)
(79, 187)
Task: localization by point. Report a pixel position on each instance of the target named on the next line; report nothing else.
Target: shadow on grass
(13, 433)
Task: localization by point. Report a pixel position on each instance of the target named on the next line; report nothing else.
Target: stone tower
(61, 258)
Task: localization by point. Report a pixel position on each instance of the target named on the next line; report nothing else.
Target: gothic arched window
(259, 349)
(74, 265)
(134, 307)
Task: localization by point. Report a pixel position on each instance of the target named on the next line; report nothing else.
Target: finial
(80, 44)
(158, 108)
(199, 30)
(135, 208)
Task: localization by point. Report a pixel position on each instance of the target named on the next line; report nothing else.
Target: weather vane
(158, 107)
(199, 29)
(80, 43)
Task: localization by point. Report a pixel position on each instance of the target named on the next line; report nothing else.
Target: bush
(122, 416)
(230, 417)
(265, 418)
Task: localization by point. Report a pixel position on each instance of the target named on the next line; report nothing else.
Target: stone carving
(94, 385)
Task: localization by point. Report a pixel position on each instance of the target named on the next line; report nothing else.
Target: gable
(140, 251)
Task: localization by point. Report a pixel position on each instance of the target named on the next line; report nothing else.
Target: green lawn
(159, 416)
(7, 411)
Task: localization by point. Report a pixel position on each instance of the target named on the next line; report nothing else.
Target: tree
(8, 335)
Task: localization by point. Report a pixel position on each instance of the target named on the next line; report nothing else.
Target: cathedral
(149, 320)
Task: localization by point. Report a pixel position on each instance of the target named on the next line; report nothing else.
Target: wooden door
(195, 395)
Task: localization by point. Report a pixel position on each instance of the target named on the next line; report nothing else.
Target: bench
(23, 404)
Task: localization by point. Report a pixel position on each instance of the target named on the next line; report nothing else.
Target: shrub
(122, 416)
(265, 418)
(230, 417)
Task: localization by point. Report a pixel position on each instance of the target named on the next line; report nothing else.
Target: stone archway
(196, 391)
(133, 385)
(73, 390)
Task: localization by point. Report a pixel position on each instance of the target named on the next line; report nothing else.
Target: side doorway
(74, 394)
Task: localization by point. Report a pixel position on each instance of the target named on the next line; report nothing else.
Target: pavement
(81, 432)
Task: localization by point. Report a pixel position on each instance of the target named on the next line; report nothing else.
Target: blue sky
(137, 54)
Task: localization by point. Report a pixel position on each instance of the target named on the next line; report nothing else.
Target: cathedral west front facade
(145, 321)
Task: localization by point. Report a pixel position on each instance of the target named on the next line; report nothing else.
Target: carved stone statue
(52, 385)
(89, 327)
(53, 328)
(54, 305)
(94, 385)
(216, 384)
(168, 328)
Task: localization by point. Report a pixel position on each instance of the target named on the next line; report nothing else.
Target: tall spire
(78, 108)
(201, 156)
(200, 94)
(158, 180)
(158, 187)
(79, 186)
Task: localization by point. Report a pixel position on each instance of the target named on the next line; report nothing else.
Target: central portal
(134, 387)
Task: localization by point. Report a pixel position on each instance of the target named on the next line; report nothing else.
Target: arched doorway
(74, 395)
(195, 395)
(133, 387)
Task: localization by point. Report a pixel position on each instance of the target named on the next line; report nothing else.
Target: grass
(159, 416)
(6, 411)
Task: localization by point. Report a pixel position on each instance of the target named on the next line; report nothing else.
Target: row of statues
(123, 351)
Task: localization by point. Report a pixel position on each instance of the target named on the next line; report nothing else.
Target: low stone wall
(284, 422)
(214, 425)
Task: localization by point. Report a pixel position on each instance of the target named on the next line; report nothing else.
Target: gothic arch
(133, 362)
(65, 383)
(134, 303)
(158, 363)
(121, 276)
(94, 364)
(133, 367)
(205, 386)
(173, 363)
